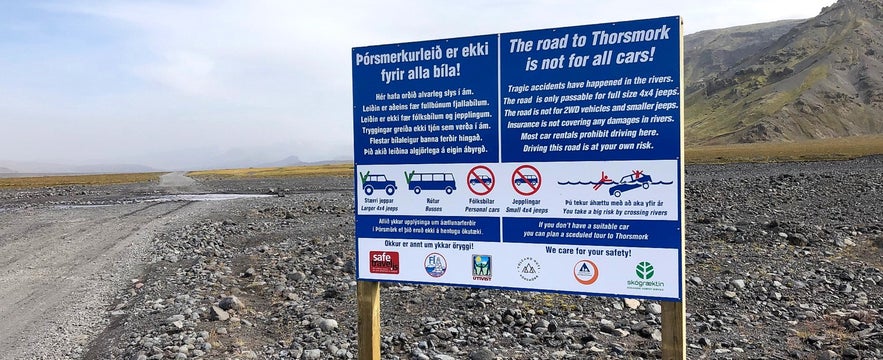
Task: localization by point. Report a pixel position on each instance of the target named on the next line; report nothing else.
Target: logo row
(528, 269)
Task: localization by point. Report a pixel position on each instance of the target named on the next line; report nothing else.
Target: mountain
(289, 161)
(188, 159)
(112, 168)
(823, 78)
(51, 168)
(295, 161)
(239, 158)
(712, 51)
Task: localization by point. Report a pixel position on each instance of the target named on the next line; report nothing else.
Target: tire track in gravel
(59, 265)
(43, 229)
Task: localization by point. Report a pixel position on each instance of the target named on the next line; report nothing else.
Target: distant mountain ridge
(234, 162)
(296, 161)
(823, 78)
(12, 167)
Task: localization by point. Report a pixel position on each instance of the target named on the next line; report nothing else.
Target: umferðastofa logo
(435, 264)
(585, 272)
(481, 267)
(644, 270)
(383, 262)
(528, 269)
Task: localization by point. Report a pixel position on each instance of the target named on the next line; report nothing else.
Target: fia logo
(435, 265)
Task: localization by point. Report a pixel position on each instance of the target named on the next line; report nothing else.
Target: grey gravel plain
(783, 261)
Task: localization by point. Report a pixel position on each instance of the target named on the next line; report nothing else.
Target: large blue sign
(547, 160)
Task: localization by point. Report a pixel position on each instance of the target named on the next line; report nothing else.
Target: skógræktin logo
(585, 272)
(481, 267)
(435, 265)
(383, 262)
(644, 272)
(528, 269)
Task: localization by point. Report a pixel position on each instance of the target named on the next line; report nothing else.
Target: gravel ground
(783, 261)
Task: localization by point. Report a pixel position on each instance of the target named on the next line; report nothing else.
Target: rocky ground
(783, 261)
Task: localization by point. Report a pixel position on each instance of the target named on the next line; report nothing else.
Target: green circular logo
(644, 270)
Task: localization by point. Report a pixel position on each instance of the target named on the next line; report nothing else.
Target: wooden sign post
(368, 298)
(674, 331)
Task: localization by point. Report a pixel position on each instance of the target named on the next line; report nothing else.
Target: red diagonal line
(528, 182)
(486, 186)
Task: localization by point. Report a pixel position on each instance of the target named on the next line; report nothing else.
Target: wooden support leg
(368, 298)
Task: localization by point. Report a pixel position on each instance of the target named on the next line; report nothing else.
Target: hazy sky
(147, 81)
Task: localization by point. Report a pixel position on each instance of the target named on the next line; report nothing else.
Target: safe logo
(644, 270)
(585, 272)
(383, 262)
(481, 267)
(528, 269)
(435, 265)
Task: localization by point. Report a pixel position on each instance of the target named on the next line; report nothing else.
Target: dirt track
(58, 263)
(64, 253)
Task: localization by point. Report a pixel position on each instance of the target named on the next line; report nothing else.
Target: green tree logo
(644, 270)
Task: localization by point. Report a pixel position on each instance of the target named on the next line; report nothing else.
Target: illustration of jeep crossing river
(637, 179)
(630, 182)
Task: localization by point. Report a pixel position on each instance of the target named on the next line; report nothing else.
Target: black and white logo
(528, 269)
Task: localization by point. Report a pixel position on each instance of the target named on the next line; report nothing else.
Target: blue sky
(171, 84)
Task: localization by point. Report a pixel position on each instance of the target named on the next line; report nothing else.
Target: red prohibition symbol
(526, 180)
(480, 180)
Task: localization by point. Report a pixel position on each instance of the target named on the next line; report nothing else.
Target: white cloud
(189, 73)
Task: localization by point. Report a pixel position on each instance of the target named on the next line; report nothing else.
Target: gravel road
(58, 263)
(176, 180)
(66, 251)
